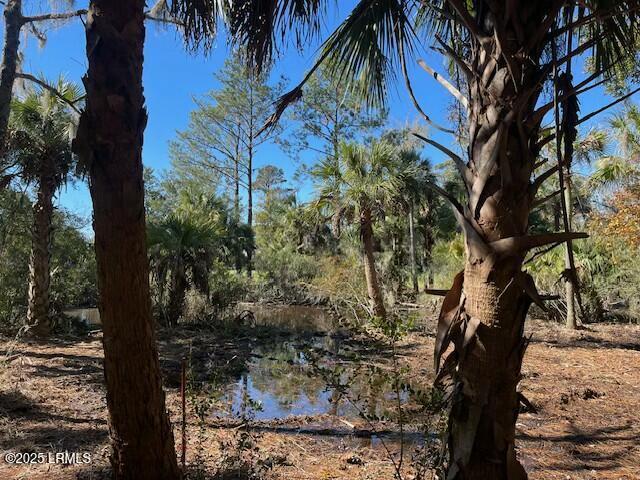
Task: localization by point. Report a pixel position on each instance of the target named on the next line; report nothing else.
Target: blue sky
(172, 77)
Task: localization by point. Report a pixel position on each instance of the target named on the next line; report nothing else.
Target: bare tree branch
(541, 201)
(517, 245)
(416, 104)
(46, 86)
(54, 16)
(445, 83)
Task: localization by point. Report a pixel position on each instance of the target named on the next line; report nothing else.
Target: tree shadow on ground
(31, 427)
(584, 447)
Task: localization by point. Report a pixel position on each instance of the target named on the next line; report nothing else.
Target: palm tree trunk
(39, 261)
(569, 288)
(371, 276)
(12, 26)
(177, 292)
(109, 142)
(412, 250)
(484, 312)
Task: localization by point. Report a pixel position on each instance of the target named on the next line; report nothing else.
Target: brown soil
(585, 386)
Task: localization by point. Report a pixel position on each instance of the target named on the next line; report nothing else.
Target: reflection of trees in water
(282, 372)
(285, 369)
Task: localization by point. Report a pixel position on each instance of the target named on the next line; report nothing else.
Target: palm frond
(264, 27)
(199, 20)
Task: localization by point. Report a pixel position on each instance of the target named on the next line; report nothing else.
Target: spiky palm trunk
(12, 26)
(109, 142)
(484, 313)
(371, 276)
(39, 261)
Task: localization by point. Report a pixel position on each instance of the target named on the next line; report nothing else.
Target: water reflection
(282, 378)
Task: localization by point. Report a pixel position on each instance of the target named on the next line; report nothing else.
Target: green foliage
(73, 268)
(42, 126)
(447, 260)
(326, 115)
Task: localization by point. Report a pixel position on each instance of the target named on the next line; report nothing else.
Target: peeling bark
(109, 143)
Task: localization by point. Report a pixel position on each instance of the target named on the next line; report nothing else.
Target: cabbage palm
(357, 186)
(40, 150)
(623, 168)
(415, 191)
(180, 252)
(504, 54)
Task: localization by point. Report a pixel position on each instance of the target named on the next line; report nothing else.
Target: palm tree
(504, 53)
(585, 149)
(414, 192)
(14, 23)
(180, 250)
(109, 144)
(40, 150)
(357, 186)
(623, 168)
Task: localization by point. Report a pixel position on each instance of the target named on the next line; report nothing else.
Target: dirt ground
(584, 384)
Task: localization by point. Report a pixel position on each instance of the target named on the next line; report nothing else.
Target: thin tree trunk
(567, 133)
(412, 250)
(426, 258)
(109, 142)
(371, 276)
(39, 262)
(12, 26)
(250, 178)
(250, 208)
(569, 289)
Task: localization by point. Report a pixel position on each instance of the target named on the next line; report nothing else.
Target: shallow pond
(313, 369)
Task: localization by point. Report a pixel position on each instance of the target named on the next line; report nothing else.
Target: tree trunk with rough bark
(483, 314)
(371, 276)
(13, 24)
(109, 143)
(38, 318)
(177, 291)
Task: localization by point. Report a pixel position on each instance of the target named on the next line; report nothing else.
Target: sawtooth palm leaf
(180, 251)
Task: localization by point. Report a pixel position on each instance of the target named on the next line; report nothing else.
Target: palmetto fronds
(42, 127)
(180, 252)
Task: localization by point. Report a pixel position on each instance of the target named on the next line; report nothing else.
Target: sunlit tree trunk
(13, 24)
(484, 312)
(39, 262)
(109, 143)
(569, 287)
(371, 276)
(250, 149)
